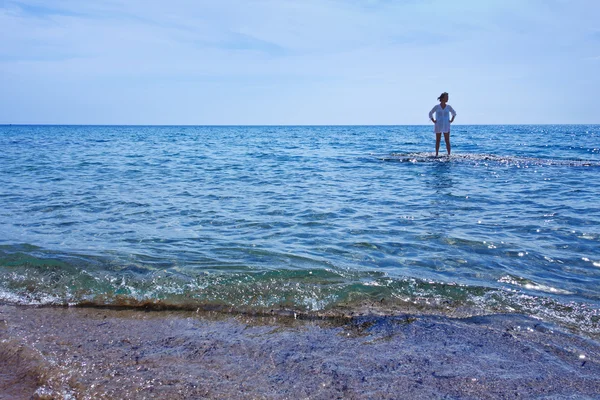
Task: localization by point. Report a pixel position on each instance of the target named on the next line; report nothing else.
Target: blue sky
(298, 61)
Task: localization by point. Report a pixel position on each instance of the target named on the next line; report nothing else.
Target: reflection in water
(441, 176)
(439, 183)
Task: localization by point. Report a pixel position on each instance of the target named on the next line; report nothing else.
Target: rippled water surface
(304, 218)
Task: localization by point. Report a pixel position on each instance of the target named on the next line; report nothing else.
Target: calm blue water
(304, 218)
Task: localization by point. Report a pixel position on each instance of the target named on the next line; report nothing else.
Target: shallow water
(83, 353)
(304, 218)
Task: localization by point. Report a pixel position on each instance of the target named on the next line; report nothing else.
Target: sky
(298, 62)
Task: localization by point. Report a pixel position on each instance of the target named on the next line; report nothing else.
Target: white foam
(525, 162)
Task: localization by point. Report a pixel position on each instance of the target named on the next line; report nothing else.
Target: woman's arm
(431, 113)
(453, 114)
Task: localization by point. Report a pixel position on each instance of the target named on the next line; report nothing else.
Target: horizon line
(283, 125)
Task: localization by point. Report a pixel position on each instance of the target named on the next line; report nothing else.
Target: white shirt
(442, 117)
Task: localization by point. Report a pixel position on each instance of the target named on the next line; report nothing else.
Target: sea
(307, 220)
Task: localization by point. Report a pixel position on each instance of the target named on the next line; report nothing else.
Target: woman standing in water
(442, 121)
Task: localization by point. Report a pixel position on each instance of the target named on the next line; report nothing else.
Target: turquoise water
(304, 218)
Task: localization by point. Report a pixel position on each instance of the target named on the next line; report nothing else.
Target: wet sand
(89, 353)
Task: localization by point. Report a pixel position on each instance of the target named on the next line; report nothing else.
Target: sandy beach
(90, 353)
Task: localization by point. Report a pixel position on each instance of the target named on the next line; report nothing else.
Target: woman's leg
(438, 139)
(447, 139)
